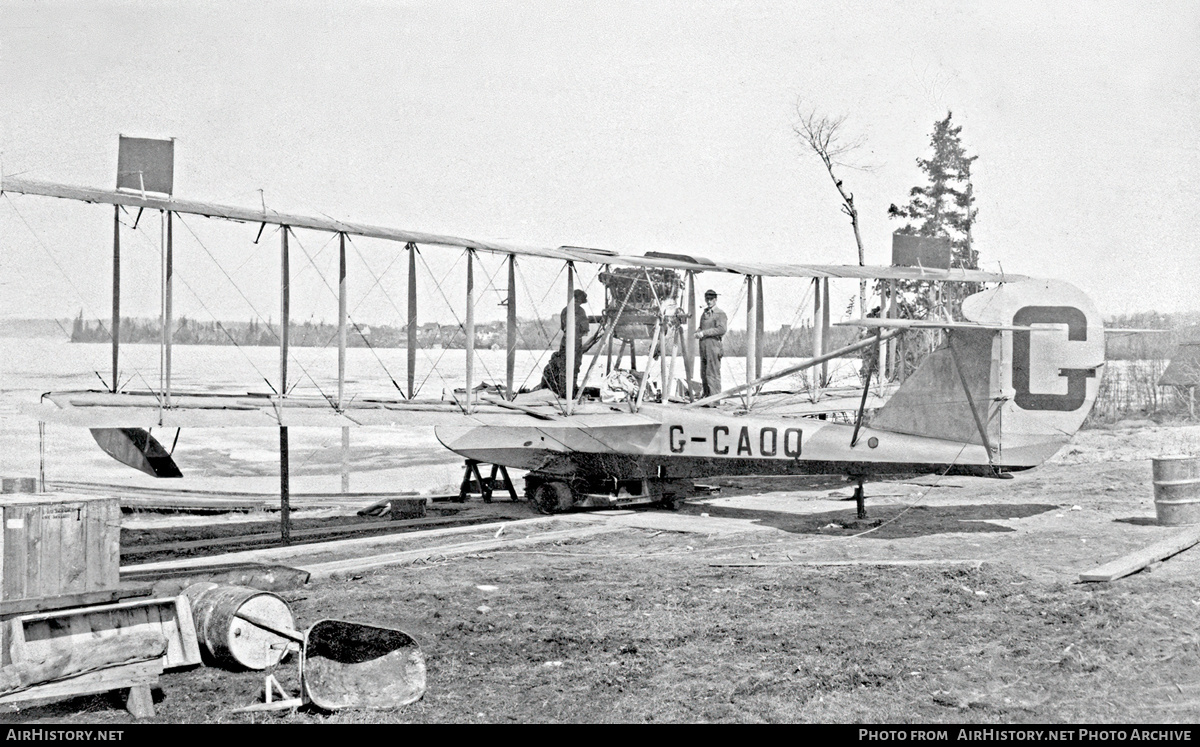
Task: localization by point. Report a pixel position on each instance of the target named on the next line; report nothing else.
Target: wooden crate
(39, 635)
(58, 543)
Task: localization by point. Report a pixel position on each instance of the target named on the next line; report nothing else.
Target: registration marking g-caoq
(736, 441)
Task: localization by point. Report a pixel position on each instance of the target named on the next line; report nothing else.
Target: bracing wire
(292, 355)
(53, 259)
(219, 324)
(349, 318)
(537, 365)
(449, 306)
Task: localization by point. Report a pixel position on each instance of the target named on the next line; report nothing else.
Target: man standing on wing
(713, 325)
(554, 375)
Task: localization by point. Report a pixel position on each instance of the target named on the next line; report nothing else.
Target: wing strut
(116, 294)
(606, 341)
(886, 335)
(692, 350)
(285, 515)
(469, 328)
(751, 337)
(970, 400)
(510, 359)
(569, 342)
(412, 319)
(341, 395)
(872, 366)
(168, 316)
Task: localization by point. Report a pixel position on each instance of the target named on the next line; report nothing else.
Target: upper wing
(566, 253)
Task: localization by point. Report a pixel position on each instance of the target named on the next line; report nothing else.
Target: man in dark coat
(552, 375)
(713, 325)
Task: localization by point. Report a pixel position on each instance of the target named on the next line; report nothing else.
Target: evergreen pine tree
(946, 206)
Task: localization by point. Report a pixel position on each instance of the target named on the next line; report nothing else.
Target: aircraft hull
(681, 444)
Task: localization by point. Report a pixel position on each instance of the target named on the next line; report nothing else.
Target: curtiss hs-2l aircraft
(1007, 385)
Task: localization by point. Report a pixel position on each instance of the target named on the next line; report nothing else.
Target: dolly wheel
(553, 497)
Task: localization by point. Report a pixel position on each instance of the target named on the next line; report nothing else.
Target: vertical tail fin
(1043, 382)
(1020, 393)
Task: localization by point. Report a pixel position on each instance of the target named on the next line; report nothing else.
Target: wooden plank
(52, 518)
(66, 601)
(15, 634)
(1139, 559)
(162, 619)
(837, 563)
(321, 571)
(187, 631)
(139, 701)
(103, 625)
(169, 617)
(33, 544)
(79, 628)
(15, 556)
(73, 563)
(36, 631)
(92, 543)
(136, 618)
(110, 542)
(266, 538)
(101, 681)
(287, 555)
(68, 666)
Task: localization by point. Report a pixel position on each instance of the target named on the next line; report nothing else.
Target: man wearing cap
(713, 325)
(553, 376)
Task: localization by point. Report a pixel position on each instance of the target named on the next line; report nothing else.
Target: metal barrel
(230, 640)
(1177, 490)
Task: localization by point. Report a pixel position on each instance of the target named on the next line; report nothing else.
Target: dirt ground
(956, 601)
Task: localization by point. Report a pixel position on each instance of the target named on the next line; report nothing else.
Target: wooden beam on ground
(860, 562)
(294, 555)
(1139, 559)
(326, 570)
(383, 527)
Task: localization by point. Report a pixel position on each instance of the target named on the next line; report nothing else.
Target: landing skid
(552, 494)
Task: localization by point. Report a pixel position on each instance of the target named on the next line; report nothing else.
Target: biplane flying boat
(1007, 387)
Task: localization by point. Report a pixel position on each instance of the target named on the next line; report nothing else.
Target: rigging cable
(252, 308)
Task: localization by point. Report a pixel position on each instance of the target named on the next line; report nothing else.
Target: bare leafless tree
(826, 137)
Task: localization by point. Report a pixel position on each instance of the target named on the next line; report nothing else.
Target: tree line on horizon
(542, 334)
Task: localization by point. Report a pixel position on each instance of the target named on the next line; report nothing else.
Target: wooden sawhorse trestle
(486, 487)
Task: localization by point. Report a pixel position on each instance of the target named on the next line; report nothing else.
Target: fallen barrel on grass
(226, 637)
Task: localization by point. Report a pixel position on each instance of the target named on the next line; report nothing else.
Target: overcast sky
(632, 126)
